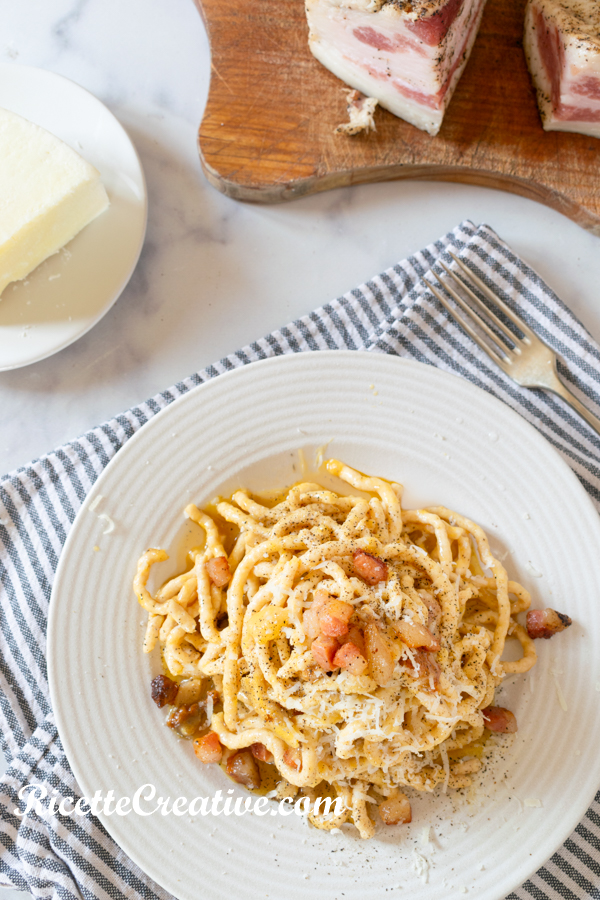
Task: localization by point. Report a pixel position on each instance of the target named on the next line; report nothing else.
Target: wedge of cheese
(407, 54)
(48, 193)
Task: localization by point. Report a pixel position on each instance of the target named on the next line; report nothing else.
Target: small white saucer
(71, 291)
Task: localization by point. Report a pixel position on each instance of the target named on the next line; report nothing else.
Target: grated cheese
(110, 525)
(293, 689)
(559, 692)
(420, 866)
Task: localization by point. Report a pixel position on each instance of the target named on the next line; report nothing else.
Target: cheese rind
(48, 193)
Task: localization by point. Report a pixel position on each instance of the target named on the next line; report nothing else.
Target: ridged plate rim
(375, 399)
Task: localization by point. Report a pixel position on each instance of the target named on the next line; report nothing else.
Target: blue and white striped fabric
(62, 857)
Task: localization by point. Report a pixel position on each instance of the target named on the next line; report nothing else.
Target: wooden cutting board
(267, 132)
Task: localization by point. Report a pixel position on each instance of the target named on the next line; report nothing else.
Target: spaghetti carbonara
(345, 644)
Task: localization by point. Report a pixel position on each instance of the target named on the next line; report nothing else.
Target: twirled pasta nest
(351, 644)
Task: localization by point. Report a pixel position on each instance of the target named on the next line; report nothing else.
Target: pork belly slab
(408, 54)
(562, 46)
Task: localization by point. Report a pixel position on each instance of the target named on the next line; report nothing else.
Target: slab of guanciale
(268, 130)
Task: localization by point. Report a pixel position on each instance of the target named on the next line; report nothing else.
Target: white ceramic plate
(71, 291)
(449, 443)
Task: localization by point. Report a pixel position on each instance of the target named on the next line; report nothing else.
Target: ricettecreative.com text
(47, 803)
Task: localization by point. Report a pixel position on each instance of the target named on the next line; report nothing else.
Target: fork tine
(491, 295)
(502, 361)
(473, 314)
(483, 308)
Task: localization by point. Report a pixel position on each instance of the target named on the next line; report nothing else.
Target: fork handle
(557, 387)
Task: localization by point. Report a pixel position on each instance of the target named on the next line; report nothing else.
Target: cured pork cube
(408, 54)
(562, 46)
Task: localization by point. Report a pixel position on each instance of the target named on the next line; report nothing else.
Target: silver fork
(527, 360)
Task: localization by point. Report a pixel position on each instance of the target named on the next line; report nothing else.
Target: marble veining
(215, 274)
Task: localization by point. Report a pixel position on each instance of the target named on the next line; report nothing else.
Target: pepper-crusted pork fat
(408, 55)
(562, 46)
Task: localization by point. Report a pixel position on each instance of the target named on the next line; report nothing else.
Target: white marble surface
(215, 274)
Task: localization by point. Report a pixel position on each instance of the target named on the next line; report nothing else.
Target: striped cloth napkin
(70, 857)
